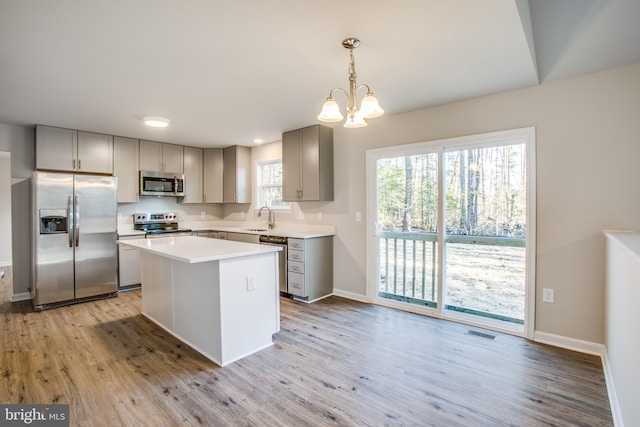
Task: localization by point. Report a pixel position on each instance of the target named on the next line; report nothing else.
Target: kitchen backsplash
(302, 213)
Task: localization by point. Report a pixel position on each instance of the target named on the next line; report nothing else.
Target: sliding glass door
(451, 225)
(407, 224)
(486, 230)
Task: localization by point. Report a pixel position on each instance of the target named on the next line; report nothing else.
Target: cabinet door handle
(79, 164)
(74, 163)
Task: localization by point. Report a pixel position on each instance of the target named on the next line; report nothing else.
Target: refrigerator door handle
(69, 231)
(77, 219)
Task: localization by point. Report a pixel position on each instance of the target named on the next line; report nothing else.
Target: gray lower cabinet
(129, 262)
(309, 263)
(310, 268)
(243, 237)
(212, 234)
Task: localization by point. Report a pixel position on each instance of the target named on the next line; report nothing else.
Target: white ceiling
(227, 72)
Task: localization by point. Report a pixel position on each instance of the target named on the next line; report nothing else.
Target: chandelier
(369, 107)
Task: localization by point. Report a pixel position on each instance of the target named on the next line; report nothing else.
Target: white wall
(621, 339)
(588, 147)
(5, 209)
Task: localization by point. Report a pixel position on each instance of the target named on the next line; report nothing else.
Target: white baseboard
(350, 295)
(611, 391)
(21, 297)
(569, 343)
(588, 348)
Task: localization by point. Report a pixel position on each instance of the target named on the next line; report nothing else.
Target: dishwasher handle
(274, 240)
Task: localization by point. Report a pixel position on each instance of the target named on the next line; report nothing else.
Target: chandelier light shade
(369, 107)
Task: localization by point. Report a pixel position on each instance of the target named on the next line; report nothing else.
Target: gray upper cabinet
(73, 151)
(159, 157)
(193, 158)
(95, 152)
(125, 168)
(307, 164)
(237, 174)
(213, 175)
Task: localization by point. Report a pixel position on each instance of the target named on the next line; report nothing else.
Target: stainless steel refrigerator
(74, 229)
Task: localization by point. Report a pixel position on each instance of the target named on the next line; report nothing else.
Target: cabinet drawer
(296, 266)
(295, 284)
(296, 244)
(295, 255)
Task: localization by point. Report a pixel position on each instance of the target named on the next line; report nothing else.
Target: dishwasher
(282, 258)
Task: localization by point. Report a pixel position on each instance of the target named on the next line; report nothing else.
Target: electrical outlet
(251, 282)
(358, 216)
(548, 295)
(202, 214)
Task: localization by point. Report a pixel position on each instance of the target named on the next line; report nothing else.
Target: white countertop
(300, 231)
(192, 249)
(628, 239)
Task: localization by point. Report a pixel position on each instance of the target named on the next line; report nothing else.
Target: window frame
(482, 140)
(260, 186)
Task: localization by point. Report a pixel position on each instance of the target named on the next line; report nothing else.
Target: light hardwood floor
(335, 362)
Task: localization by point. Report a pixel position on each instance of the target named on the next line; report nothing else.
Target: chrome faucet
(271, 222)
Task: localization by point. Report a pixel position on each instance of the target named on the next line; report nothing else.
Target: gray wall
(18, 140)
(588, 147)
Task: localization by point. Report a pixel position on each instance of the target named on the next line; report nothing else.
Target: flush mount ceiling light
(369, 107)
(156, 121)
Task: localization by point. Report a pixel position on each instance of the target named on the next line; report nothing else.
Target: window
(269, 185)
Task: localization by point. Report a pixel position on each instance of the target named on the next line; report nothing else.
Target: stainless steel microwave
(161, 184)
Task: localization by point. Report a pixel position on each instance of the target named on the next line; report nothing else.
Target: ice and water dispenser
(53, 221)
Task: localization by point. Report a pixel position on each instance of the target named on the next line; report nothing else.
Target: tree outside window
(269, 185)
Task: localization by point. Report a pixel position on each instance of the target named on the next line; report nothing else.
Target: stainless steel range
(159, 225)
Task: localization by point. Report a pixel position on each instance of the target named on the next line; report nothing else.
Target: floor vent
(481, 334)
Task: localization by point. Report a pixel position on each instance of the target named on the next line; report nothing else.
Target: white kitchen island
(220, 297)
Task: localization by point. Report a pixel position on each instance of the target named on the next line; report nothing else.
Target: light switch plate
(548, 295)
(251, 282)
